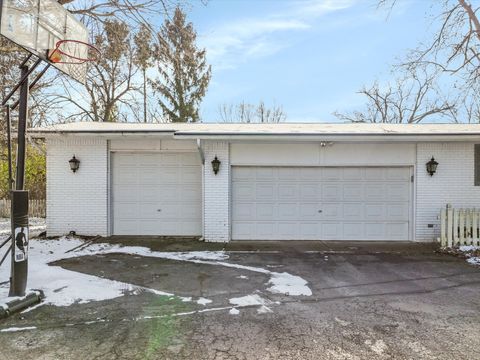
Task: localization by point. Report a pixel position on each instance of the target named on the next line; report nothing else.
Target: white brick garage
(321, 203)
(87, 203)
(156, 194)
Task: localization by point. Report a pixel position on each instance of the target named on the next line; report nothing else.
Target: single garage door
(328, 203)
(156, 194)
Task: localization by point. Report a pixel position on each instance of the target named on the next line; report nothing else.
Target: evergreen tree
(184, 73)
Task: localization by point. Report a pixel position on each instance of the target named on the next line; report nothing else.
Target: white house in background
(274, 182)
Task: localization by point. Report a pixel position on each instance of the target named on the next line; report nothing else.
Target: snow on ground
(471, 253)
(36, 226)
(16, 329)
(64, 287)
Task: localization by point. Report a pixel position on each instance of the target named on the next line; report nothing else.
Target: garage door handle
(320, 211)
(159, 210)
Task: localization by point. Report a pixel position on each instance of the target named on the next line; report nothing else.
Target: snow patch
(264, 310)
(249, 300)
(474, 260)
(16, 329)
(65, 287)
(468, 248)
(203, 301)
(288, 284)
(234, 311)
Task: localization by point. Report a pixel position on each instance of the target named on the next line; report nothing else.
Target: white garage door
(156, 194)
(329, 203)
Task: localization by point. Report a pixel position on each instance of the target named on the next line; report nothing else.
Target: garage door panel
(352, 231)
(243, 211)
(243, 173)
(309, 211)
(287, 191)
(331, 210)
(287, 211)
(396, 212)
(353, 211)
(265, 173)
(126, 176)
(265, 211)
(375, 174)
(264, 191)
(126, 210)
(124, 193)
(354, 203)
(190, 174)
(374, 231)
(329, 174)
(308, 231)
(287, 230)
(310, 174)
(332, 192)
(353, 174)
(156, 194)
(332, 230)
(243, 192)
(309, 192)
(375, 192)
(189, 194)
(352, 192)
(398, 192)
(397, 174)
(127, 227)
(285, 174)
(188, 159)
(375, 212)
(396, 230)
(266, 229)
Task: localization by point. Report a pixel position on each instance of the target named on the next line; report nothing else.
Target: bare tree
(411, 99)
(249, 113)
(95, 13)
(144, 60)
(453, 53)
(110, 88)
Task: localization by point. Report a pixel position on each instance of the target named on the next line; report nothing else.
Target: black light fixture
(74, 163)
(432, 166)
(216, 165)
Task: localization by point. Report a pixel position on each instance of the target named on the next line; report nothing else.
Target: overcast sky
(308, 56)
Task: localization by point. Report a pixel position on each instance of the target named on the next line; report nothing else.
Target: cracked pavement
(369, 301)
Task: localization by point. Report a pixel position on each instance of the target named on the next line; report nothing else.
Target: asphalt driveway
(367, 301)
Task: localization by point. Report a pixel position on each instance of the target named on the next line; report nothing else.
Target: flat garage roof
(450, 132)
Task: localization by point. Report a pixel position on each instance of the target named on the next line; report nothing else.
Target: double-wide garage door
(156, 194)
(321, 203)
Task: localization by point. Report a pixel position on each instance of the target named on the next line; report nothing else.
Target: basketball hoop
(73, 52)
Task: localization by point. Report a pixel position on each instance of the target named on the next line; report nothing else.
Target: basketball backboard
(38, 26)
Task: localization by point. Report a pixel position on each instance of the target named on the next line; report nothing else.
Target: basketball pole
(19, 197)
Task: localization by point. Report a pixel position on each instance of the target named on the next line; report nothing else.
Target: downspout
(200, 151)
(202, 159)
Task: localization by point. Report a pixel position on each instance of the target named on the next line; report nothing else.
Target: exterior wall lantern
(432, 166)
(216, 165)
(74, 164)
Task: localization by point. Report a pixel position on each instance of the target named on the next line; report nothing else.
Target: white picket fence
(459, 227)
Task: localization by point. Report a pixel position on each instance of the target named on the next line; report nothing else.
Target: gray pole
(19, 199)
(22, 125)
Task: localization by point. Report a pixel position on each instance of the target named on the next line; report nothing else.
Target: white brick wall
(77, 201)
(216, 193)
(452, 184)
